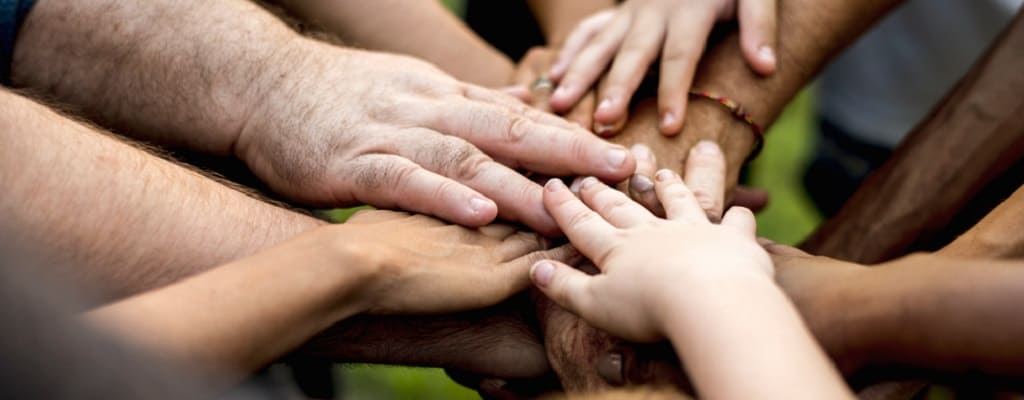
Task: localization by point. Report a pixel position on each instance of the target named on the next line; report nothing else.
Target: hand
(419, 265)
(532, 85)
(711, 178)
(646, 262)
(632, 36)
(352, 127)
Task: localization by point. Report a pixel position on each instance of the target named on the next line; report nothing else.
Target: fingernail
(478, 205)
(641, 184)
(610, 369)
(708, 147)
(542, 272)
(562, 91)
(641, 152)
(605, 104)
(668, 120)
(588, 182)
(663, 175)
(603, 129)
(617, 157)
(575, 188)
(767, 54)
(554, 185)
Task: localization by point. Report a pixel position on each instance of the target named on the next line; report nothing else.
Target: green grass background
(788, 219)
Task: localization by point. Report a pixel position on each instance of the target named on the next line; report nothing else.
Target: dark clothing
(839, 165)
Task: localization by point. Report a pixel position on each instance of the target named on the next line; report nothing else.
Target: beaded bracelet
(737, 110)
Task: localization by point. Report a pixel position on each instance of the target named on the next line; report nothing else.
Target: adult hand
(420, 265)
(629, 39)
(712, 177)
(644, 260)
(346, 127)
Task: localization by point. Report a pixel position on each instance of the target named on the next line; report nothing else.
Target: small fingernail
(708, 147)
(603, 129)
(641, 184)
(554, 185)
(667, 120)
(605, 104)
(478, 205)
(641, 152)
(767, 54)
(542, 272)
(663, 175)
(588, 182)
(575, 188)
(617, 157)
(610, 369)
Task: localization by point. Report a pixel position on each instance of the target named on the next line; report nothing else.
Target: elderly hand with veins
(629, 39)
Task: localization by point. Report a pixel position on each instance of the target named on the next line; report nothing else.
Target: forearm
(938, 312)
(241, 316)
(557, 18)
(182, 73)
(759, 326)
(811, 33)
(423, 29)
(114, 218)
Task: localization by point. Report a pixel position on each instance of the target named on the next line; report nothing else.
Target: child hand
(647, 263)
(629, 38)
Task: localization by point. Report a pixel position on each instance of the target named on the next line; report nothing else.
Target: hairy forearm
(935, 312)
(243, 315)
(557, 18)
(182, 73)
(117, 219)
(423, 29)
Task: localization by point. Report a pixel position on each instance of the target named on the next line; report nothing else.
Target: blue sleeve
(12, 14)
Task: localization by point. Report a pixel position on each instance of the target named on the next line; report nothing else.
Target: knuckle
(580, 218)
(706, 200)
(517, 130)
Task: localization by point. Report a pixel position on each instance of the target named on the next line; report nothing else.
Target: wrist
(709, 295)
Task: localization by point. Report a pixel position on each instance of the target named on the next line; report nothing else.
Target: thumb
(564, 285)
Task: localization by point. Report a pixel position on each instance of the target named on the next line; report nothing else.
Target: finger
(536, 80)
(583, 112)
(759, 34)
(604, 129)
(537, 146)
(684, 44)
(705, 176)
(498, 231)
(638, 51)
(522, 93)
(590, 64)
(613, 205)
(565, 285)
(580, 36)
(753, 198)
(741, 219)
(590, 233)
(388, 181)
(517, 198)
(641, 184)
(520, 244)
(677, 199)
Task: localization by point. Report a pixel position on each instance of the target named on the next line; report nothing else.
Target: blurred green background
(788, 219)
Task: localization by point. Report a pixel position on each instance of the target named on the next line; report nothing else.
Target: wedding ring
(542, 83)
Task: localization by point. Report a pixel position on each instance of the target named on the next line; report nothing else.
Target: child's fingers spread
(638, 51)
(613, 205)
(759, 34)
(684, 44)
(585, 228)
(586, 68)
(676, 198)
